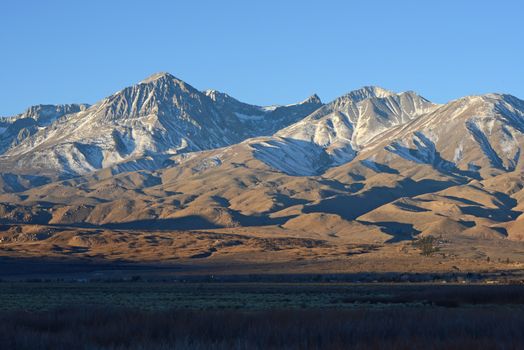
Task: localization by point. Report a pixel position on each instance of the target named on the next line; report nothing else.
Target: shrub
(427, 245)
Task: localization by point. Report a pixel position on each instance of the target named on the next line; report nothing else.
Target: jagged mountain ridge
(14, 130)
(160, 116)
(143, 125)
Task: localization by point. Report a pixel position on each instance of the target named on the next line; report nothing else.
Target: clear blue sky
(261, 52)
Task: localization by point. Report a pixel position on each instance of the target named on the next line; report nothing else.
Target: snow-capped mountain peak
(366, 92)
(158, 117)
(157, 76)
(313, 99)
(335, 133)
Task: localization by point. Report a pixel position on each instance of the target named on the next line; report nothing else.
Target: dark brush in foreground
(399, 328)
(144, 315)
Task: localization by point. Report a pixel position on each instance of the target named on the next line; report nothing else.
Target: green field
(252, 296)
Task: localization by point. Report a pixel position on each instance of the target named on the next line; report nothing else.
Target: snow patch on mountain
(475, 128)
(293, 157)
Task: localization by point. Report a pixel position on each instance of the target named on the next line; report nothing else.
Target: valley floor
(52, 252)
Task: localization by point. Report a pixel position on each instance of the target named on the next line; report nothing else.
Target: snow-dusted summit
(146, 122)
(334, 134)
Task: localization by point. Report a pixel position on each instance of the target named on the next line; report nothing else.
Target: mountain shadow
(191, 222)
(398, 230)
(350, 207)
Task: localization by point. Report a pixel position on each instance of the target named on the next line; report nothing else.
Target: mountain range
(372, 167)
